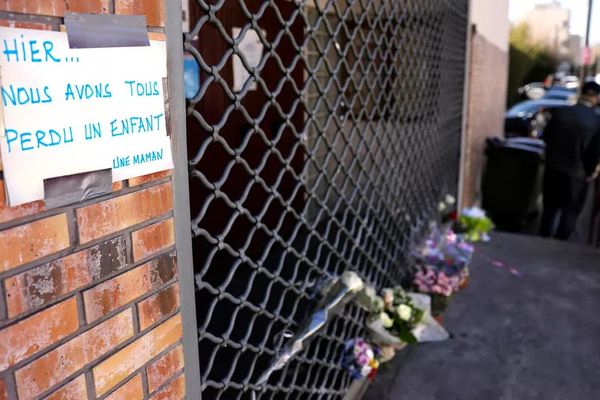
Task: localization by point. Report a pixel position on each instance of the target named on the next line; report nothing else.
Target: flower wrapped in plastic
(475, 224)
(404, 318)
(360, 359)
(447, 209)
(444, 250)
(440, 286)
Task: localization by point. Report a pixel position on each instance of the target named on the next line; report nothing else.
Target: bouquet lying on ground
(397, 314)
(444, 250)
(475, 224)
(393, 319)
(447, 209)
(360, 359)
(440, 286)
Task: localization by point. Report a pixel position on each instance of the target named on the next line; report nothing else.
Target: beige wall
(488, 79)
(491, 19)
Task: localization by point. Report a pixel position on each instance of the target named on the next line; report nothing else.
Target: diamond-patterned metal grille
(321, 138)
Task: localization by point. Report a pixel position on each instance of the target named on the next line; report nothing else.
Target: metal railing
(320, 139)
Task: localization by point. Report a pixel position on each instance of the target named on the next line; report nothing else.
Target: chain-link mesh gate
(321, 137)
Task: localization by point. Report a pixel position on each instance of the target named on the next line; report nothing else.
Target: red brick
(12, 213)
(132, 390)
(156, 307)
(140, 180)
(164, 368)
(161, 37)
(121, 212)
(174, 391)
(25, 25)
(152, 239)
(74, 390)
(72, 356)
(124, 288)
(35, 240)
(25, 338)
(154, 10)
(3, 392)
(116, 186)
(54, 7)
(116, 368)
(48, 282)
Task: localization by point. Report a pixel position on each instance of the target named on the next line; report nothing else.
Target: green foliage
(402, 328)
(519, 37)
(439, 304)
(475, 228)
(529, 62)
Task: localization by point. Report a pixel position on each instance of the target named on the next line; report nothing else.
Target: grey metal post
(587, 66)
(183, 236)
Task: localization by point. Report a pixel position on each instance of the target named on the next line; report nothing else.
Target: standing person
(572, 154)
(595, 227)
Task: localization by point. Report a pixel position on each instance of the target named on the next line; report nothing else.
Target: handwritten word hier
(68, 111)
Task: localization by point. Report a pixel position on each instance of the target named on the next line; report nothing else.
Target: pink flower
(422, 288)
(363, 359)
(447, 292)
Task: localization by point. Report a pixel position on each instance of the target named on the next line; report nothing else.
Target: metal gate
(321, 136)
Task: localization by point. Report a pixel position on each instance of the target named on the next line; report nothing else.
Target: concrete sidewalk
(529, 334)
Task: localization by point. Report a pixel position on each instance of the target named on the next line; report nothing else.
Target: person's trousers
(595, 228)
(561, 212)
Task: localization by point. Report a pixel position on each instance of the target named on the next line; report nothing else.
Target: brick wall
(486, 105)
(89, 297)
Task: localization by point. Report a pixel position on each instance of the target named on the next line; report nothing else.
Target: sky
(578, 15)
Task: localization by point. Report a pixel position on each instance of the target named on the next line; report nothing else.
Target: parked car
(561, 93)
(529, 118)
(592, 78)
(570, 82)
(532, 91)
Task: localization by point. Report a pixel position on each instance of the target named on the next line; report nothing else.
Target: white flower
(370, 292)
(404, 312)
(441, 206)
(352, 281)
(450, 199)
(366, 370)
(474, 212)
(386, 321)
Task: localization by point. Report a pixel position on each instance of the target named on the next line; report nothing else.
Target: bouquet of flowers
(397, 314)
(446, 251)
(360, 359)
(447, 209)
(475, 224)
(440, 286)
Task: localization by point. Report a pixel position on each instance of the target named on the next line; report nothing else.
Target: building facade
(549, 25)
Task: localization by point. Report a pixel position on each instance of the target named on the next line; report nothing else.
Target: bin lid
(525, 144)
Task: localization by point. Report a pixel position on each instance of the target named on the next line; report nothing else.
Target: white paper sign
(252, 49)
(67, 111)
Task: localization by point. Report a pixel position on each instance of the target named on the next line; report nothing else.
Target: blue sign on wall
(191, 76)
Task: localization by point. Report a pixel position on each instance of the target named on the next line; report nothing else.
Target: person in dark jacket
(572, 154)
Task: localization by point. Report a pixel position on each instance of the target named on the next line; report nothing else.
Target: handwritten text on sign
(67, 111)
